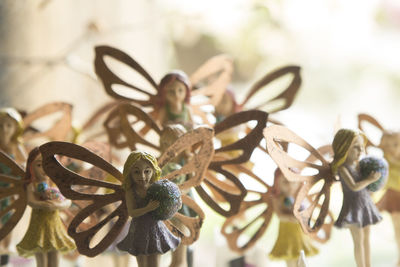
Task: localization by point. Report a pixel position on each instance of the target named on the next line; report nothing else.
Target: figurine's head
(347, 145)
(140, 169)
(390, 144)
(10, 126)
(227, 106)
(174, 88)
(34, 167)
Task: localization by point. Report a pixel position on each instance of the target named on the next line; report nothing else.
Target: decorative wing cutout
(259, 203)
(13, 195)
(212, 78)
(197, 165)
(287, 95)
(242, 148)
(185, 227)
(118, 125)
(110, 80)
(60, 129)
(367, 119)
(68, 182)
(312, 202)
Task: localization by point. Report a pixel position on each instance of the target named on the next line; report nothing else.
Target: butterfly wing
(13, 195)
(286, 95)
(212, 78)
(312, 202)
(110, 80)
(239, 151)
(363, 121)
(121, 131)
(59, 130)
(255, 214)
(70, 184)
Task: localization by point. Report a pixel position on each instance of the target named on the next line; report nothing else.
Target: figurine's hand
(374, 176)
(153, 204)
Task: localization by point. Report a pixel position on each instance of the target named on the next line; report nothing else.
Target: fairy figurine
(46, 235)
(390, 145)
(168, 100)
(147, 238)
(291, 240)
(358, 211)
(11, 128)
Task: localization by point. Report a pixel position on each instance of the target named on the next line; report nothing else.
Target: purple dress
(358, 207)
(147, 236)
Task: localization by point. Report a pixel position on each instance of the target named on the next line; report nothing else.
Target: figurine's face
(141, 173)
(356, 149)
(390, 144)
(7, 129)
(176, 92)
(225, 106)
(37, 168)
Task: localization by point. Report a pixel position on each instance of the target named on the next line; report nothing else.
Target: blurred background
(348, 51)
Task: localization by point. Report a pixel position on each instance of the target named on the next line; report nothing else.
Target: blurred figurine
(356, 176)
(291, 240)
(46, 235)
(174, 99)
(11, 129)
(390, 202)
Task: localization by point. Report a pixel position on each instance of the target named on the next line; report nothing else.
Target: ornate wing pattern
(364, 119)
(70, 184)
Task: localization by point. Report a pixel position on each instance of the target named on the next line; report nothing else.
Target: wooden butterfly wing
(13, 194)
(69, 183)
(212, 78)
(245, 146)
(286, 95)
(312, 216)
(364, 119)
(59, 130)
(118, 126)
(260, 199)
(110, 79)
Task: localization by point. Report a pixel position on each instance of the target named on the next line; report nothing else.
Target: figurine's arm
(152, 205)
(137, 212)
(357, 186)
(45, 204)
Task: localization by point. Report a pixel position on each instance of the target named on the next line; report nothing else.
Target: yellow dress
(46, 233)
(290, 241)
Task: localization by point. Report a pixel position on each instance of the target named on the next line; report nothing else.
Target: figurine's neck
(6, 146)
(176, 107)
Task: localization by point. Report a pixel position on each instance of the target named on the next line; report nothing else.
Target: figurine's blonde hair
(341, 144)
(14, 115)
(131, 160)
